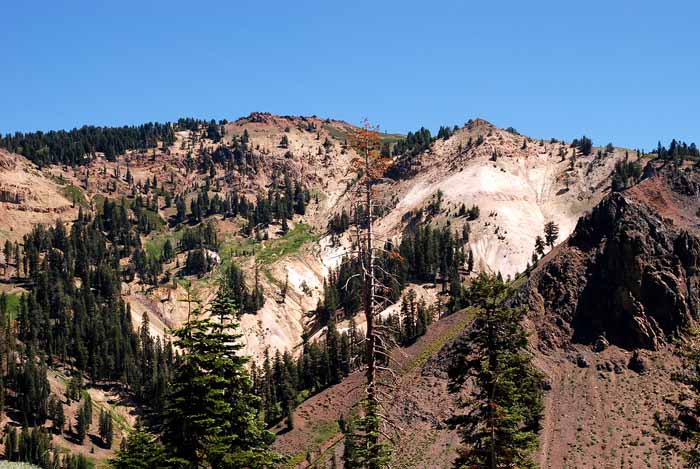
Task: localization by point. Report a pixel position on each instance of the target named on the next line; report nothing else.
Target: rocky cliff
(628, 275)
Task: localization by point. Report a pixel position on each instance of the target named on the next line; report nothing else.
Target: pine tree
(140, 450)
(106, 428)
(81, 425)
(211, 417)
(8, 253)
(11, 453)
(333, 348)
(181, 209)
(551, 233)
(168, 251)
(57, 416)
(285, 225)
(539, 246)
(502, 418)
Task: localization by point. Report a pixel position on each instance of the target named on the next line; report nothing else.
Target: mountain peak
(479, 122)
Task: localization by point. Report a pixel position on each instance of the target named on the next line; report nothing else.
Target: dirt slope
(29, 197)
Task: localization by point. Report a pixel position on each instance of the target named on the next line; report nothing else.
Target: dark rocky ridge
(630, 272)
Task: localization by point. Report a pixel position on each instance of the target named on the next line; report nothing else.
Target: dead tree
(370, 167)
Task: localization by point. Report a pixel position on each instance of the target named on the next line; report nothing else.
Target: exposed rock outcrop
(630, 271)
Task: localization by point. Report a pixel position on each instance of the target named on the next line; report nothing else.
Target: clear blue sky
(620, 71)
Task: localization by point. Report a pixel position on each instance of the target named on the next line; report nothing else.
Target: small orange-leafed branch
(369, 163)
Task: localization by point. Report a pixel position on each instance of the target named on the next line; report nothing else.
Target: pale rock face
(516, 194)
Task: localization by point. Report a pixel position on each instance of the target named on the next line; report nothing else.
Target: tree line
(78, 146)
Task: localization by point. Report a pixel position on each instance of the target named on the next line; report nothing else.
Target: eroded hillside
(517, 183)
(604, 309)
(275, 197)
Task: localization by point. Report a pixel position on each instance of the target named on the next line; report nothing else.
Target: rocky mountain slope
(29, 196)
(629, 274)
(604, 308)
(604, 305)
(517, 182)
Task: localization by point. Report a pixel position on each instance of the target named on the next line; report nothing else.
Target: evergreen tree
(211, 414)
(539, 246)
(106, 428)
(140, 450)
(551, 233)
(81, 424)
(333, 350)
(585, 145)
(502, 418)
(57, 415)
(7, 251)
(181, 209)
(11, 453)
(168, 251)
(32, 389)
(34, 447)
(197, 262)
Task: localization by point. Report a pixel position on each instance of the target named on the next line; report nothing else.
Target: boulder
(582, 362)
(638, 363)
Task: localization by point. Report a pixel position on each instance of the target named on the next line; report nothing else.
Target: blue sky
(620, 71)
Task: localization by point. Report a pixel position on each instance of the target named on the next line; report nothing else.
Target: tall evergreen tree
(499, 428)
(551, 233)
(539, 246)
(211, 417)
(106, 429)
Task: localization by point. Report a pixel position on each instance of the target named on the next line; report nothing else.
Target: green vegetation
(211, 415)
(441, 341)
(390, 139)
(551, 233)
(286, 245)
(236, 246)
(154, 244)
(75, 194)
(502, 415)
(335, 132)
(626, 174)
(271, 278)
(146, 214)
(321, 433)
(12, 305)
(154, 220)
(324, 430)
(584, 145)
(77, 146)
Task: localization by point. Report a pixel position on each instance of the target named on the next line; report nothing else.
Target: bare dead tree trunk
(369, 315)
(370, 167)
